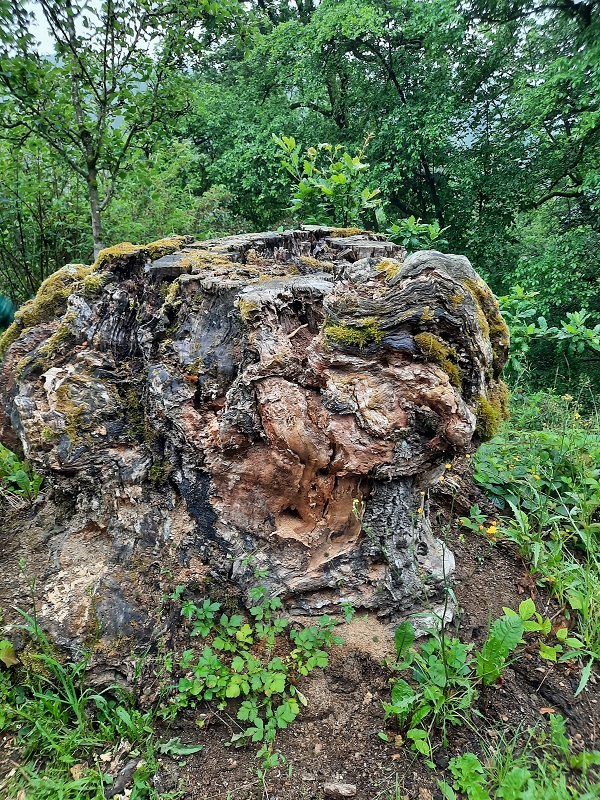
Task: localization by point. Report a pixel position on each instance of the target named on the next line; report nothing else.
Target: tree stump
(267, 409)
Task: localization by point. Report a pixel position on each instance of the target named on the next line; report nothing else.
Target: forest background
(135, 120)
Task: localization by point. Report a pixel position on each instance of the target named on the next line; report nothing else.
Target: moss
(339, 233)
(64, 332)
(357, 335)
(171, 295)
(205, 259)
(153, 250)
(457, 300)
(313, 263)
(112, 253)
(390, 267)
(136, 418)
(33, 663)
(247, 308)
(196, 367)
(93, 282)
(48, 434)
(488, 419)
(44, 355)
(160, 471)
(51, 298)
(492, 411)
(490, 320)
(10, 335)
(73, 413)
(164, 247)
(446, 357)
(427, 315)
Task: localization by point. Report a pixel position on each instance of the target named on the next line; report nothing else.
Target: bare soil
(335, 739)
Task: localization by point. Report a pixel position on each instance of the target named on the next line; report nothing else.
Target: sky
(40, 30)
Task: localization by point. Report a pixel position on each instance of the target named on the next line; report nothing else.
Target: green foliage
(17, 479)
(44, 221)
(414, 235)
(166, 193)
(106, 87)
(544, 468)
(230, 667)
(573, 337)
(538, 765)
(328, 185)
(446, 675)
(556, 258)
(60, 727)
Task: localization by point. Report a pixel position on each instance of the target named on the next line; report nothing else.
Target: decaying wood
(261, 409)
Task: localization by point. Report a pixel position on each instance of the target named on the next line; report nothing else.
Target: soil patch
(335, 739)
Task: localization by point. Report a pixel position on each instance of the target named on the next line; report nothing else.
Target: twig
(293, 333)
(548, 671)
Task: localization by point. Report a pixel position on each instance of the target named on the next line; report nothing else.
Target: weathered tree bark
(262, 409)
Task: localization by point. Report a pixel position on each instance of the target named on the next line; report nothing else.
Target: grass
(543, 473)
(67, 738)
(70, 740)
(535, 764)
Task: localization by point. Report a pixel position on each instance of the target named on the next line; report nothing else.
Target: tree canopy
(160, 117)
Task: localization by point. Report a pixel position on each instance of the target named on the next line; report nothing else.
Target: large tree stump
(261, 409)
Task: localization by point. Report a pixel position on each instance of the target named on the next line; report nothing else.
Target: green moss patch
(490, 320)
(10, 335)
(359, 334)
(446, 357)
(492, 411)
(51, 298)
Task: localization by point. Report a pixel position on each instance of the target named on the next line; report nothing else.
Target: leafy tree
(106, 88)
(44, 217)
(327, 183)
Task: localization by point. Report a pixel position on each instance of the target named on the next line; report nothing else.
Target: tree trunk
(96, 214)
(261, 410)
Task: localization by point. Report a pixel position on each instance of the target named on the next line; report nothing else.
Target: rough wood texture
(276, 402)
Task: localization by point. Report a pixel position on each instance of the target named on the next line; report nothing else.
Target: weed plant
(66, 734)
(17, 480)
(237, 663)
(446, 675)
(544, 470)
(538, 765)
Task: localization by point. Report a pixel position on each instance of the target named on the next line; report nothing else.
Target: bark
(96, 214)
(273, 405)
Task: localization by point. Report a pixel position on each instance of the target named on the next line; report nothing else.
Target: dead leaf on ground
(526, 584)
(77, 771)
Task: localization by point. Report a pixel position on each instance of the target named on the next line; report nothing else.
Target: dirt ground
(335, 738)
